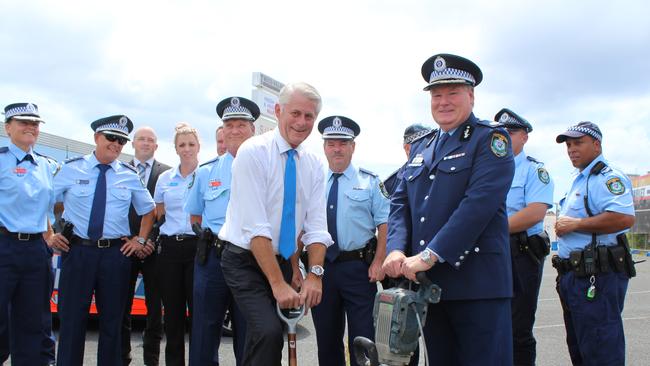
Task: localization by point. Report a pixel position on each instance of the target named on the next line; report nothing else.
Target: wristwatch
(427, 256)
(317, 270)
(141, 240)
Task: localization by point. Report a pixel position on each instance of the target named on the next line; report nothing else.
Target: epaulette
(210, 161)
(606, 170)
(73, 159)
(368, 172)
(51, 159)
(4, 149)
(129, 166)
(490, 124)
(530, 158)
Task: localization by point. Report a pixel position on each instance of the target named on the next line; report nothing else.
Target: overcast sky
(160, 62)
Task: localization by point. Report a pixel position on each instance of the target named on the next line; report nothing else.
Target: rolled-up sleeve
(315, 225)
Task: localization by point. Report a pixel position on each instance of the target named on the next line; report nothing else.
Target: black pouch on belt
(204, 239)
(603, 259)
(370, 250)
(67, 230)
(576, 263)
(621, 239)
(617, 257)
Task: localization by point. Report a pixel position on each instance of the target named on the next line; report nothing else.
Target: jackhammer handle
(365, 352)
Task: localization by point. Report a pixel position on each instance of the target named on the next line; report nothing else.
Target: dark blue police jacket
(455, 204)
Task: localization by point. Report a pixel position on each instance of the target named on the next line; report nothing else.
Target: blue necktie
(288, 223)
(96, 221)
(442, 138)
(332, 203)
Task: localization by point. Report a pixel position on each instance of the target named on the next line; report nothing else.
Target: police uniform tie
(441, 142)
(142, 171)
(332, 203)
(96, 221)
(29, 158)
(288, 224)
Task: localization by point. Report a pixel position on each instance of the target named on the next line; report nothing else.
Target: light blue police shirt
(74, 185)
(531, 184)
(26, 192)
(210, 192)
(172, 191)
(609, 191)
(361, 207)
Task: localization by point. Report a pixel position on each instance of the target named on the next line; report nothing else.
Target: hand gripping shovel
(291, 317)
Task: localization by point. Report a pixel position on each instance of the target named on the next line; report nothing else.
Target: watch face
(317, 270)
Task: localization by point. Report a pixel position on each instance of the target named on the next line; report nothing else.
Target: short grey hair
(303, 88)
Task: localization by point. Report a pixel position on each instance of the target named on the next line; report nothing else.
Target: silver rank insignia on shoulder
(417, 160)
(455, 156)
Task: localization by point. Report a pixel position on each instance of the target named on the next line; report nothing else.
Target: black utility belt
(366, 254)
(351, 255)
(536, 246)
(101, 243)
(591, 261)
(20, 236)
(177, 238)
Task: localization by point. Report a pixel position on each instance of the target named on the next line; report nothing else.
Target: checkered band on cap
(451, 73)
(410, 138)
(237, 111)
(587, 131)
(121, 125)
(338, 131)
(22, 110)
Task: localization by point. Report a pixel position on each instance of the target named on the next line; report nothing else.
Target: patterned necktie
(96, 221)
(332, 203)
(441, 142)
(288, 223)
(142, 171)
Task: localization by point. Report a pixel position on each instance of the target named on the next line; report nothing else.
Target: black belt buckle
(103, 243)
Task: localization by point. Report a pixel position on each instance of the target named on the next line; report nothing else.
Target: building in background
(640, 232)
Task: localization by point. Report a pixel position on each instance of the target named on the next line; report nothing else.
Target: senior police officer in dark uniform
(530, 195)
(412, 134)
(449, 212)
(26, 203)
(97, 191)
(593, 262)
(206, 203)
(357, 207)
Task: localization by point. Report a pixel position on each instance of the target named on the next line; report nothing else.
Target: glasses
(113, 138)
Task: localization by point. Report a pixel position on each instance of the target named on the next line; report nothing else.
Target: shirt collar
(176, 172)
(136, 162)
(283, 145)
(20, 154)
(585, 172)
(92, 159)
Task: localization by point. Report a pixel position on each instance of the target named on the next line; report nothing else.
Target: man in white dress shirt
(278, 192)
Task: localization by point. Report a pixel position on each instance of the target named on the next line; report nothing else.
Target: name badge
(455, 156)
(215, 183)
(83, 181)
(417, 160)
(173, 184)
(20, 171)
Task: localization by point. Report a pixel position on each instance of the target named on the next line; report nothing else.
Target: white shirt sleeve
(315, 225)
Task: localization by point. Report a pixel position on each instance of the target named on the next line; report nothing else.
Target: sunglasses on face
(113, 138)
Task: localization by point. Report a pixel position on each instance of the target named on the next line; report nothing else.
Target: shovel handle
(293, 356)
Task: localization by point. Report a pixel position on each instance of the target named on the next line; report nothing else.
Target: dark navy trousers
(594, 328)
(528, 277)
(212, 298)
(347, 292)
(86, 270)
(25, 277)
(469, 333)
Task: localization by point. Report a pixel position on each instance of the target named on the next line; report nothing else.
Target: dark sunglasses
(113, 138)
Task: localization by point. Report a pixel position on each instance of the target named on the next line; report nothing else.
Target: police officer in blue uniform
(206, 203)
(96, 191)
(449, 212)
(412, 134)
(357, 212)
(593, 262)
(530, 196)
(26, 199)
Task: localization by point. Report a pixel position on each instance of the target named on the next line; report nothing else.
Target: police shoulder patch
(368, 172)
(383, 190)
(4, 149)
(615, 186)
(210, 161)
(499, 145)
(542, 174)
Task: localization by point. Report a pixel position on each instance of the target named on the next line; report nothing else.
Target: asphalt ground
(549, 329)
